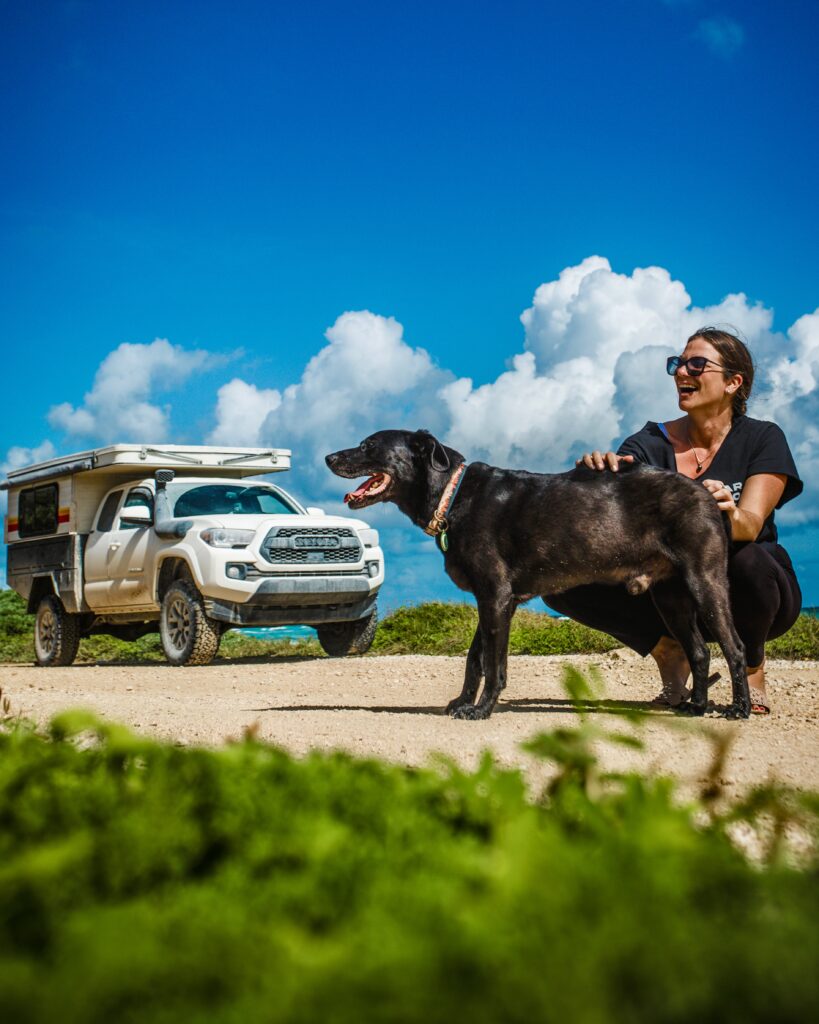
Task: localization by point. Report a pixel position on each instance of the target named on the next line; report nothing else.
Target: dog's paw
(455, 704)
(740, 709)
(471, 712)
(690, 708)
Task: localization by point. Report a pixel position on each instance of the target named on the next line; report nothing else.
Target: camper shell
(52, 506)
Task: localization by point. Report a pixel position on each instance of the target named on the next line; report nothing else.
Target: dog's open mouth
(373, 489)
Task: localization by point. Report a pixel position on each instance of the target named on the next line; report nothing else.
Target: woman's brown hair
(735, 358)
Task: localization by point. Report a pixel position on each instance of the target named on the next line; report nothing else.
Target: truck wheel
(56, 633)
(341, 638)
(188, 636)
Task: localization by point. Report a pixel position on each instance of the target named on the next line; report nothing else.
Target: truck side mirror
(311, 511)
(136, 515)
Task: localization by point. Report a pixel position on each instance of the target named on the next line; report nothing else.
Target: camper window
(37, 511)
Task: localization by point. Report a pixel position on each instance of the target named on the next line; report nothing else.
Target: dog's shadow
(518, 705)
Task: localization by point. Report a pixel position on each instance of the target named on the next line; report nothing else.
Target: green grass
(142, 882)
(433, 628)
(448, 629)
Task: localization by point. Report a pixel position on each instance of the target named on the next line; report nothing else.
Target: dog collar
(439, 524)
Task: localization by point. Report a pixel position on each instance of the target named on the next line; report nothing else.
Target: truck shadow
(137, 662)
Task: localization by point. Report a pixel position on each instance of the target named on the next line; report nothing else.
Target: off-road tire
(188, 636)
(339, 639)
(56, 633)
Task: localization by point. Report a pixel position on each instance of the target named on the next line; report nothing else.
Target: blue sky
(235, 178)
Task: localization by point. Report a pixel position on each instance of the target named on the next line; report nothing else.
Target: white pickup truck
(131, 539)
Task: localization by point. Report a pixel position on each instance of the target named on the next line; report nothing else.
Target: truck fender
(175, 563)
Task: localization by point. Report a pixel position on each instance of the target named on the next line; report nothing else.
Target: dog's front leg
(495, 616)
(473, 675)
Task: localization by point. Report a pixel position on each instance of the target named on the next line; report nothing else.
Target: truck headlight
(369, 538)
(218, 537)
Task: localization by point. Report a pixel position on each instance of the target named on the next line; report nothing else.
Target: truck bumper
(284, 602)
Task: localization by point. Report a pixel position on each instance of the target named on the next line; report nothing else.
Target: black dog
(508, 535)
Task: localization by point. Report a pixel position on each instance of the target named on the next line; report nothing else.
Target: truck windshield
(227, 499)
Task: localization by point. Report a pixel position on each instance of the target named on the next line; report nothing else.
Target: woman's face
(708, 389)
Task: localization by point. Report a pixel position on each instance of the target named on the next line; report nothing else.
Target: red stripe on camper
(64, 515)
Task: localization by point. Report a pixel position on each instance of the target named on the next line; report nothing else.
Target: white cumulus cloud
(117, 407)
(791, 399)
(527, 419)
(366, 378)
(18, 456)
(594, 368)
(241, 410)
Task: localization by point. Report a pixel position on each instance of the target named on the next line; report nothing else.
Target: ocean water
(292, 633)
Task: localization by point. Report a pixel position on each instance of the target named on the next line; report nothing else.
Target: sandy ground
(391, 708)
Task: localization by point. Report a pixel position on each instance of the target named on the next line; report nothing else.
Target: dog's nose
(331, 459)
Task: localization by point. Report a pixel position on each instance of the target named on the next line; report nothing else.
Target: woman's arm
(759, 498)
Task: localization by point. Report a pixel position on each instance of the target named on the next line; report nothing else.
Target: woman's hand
(722, 494)
(760, 496)
(597, 460)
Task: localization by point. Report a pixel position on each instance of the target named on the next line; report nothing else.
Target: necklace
(708, 451)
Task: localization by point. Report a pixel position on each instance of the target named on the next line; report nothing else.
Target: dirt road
(390, 707)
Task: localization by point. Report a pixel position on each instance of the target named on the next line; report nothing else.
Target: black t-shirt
(750, 447)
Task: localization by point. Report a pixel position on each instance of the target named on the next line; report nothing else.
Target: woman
(748, 468)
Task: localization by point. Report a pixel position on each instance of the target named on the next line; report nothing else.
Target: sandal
(759, 702)
(671, 696)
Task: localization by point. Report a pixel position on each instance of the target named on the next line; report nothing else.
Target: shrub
(433, 628)
(800, 642)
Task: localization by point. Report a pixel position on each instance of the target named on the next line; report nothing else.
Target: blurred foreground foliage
(142, 882)
(433, 628)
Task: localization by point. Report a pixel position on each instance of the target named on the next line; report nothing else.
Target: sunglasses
(694, 365)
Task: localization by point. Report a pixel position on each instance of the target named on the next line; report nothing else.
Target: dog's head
(400, 465)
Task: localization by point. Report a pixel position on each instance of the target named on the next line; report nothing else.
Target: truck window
(227, 499)
(38, 511)
(109, 511)
(137, 496)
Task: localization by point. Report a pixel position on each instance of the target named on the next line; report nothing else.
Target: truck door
(118, 556)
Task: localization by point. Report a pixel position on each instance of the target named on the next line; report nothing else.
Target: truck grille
(293, 545)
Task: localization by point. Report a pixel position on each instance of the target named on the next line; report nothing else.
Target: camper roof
(184, 459)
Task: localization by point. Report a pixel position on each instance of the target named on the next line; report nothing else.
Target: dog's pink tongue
(359, 491)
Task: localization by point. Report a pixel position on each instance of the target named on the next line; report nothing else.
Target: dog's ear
(434, 450)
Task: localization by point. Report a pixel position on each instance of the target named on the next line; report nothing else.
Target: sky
(294, 224)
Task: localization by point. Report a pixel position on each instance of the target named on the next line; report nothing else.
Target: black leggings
(765, 602)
